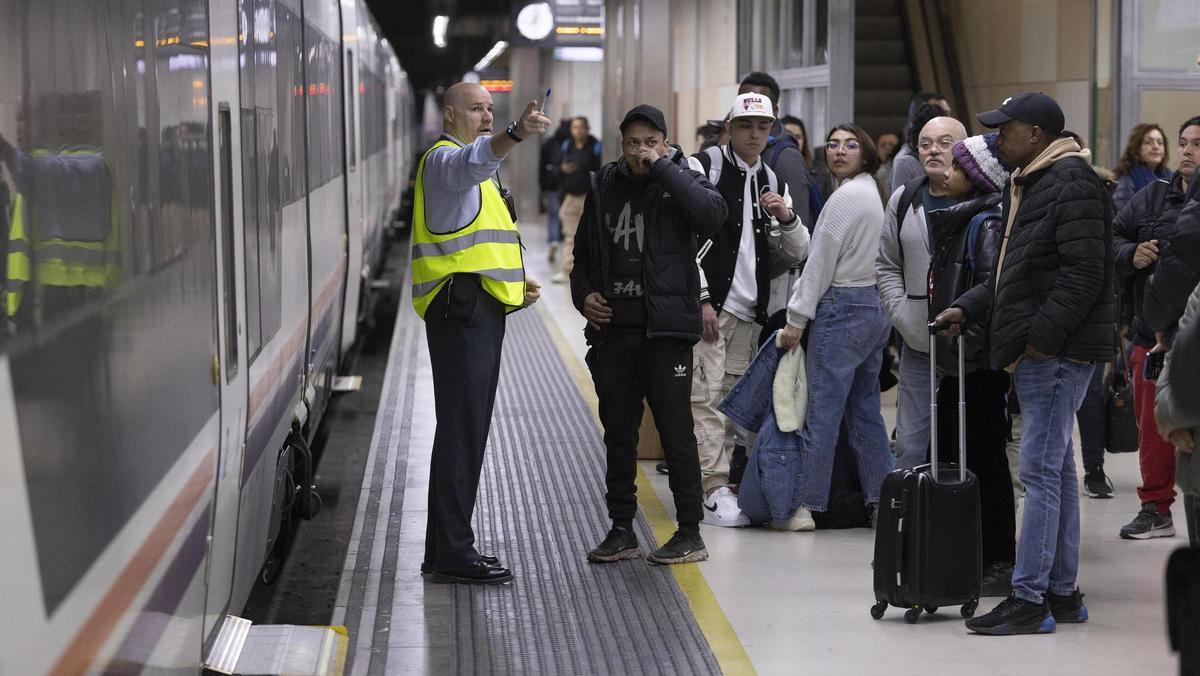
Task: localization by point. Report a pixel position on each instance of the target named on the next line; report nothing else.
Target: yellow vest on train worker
(487, 246)
(75, 243)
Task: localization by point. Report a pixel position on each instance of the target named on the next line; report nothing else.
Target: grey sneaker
(1149, 523)
(683, 547)
(1096, 484)
(620, 544)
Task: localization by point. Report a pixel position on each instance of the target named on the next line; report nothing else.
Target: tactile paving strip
(541, 507)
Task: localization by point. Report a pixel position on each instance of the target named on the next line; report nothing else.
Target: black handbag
(1121, 428)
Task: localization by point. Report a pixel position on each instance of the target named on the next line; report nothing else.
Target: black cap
(648, 113)
(1030, 107)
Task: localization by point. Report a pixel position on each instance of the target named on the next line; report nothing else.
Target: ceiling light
(440, 22)
(488, 58)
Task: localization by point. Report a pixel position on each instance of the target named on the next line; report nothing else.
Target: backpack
(712, 160)
(911, 195)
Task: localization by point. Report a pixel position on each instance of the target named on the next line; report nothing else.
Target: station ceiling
(475, 26)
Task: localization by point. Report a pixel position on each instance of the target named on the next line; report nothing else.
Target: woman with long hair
(835, 303)
(1143, 162)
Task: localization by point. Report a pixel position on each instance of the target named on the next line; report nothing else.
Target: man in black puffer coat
(1050, 313)
(1178, 268)
(636, 283)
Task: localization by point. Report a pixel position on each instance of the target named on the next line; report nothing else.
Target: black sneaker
(997, 579)
(662, 468)
(1096, 484)
(1149, 523)
(1067, 609)
(620, 544)
(1014, 616)
(683, 547)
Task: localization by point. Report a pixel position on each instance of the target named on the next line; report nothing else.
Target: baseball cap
(1030, 107)
(646, 113)
(752, 104)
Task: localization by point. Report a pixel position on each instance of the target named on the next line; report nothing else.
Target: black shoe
(1067, 609)
(1096, 483)
(489, 560)
(618, 545)
(1149, 523)
(474, 573)
(1014, 616)
(997, 579)
(661, 467)
(683, 547)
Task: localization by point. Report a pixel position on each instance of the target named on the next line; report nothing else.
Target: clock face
(535, 21)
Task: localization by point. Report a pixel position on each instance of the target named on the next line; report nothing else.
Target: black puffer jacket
(1178, 268)
(687, 206)
(1055, 272)
(1150, 214)
(958, 265)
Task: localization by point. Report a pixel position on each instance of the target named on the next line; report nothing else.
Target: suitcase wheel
(931, 609)
(968, 608)
(878, 609)
(912, 615)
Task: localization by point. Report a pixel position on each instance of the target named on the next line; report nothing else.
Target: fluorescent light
(579, 53)
(440, 22)
(497, 50)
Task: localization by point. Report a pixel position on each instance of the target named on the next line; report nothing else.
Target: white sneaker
(721, 509)
(553, 252)
(558, 277)
(801, 521)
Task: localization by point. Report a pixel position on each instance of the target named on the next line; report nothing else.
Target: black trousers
(465, 355)
(1092, 417)
(627, 368)
(987, 436)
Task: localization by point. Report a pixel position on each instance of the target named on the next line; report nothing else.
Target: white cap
(752, 104)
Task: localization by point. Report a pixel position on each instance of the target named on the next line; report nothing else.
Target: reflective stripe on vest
(18, 258)
(488, 246)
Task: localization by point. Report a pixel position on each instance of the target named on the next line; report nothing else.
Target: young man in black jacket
(1147, 222)
(1050, 313)
(636, 283)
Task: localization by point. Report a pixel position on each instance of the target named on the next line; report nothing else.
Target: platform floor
(766, 602)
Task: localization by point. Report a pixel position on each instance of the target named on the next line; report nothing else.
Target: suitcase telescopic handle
(933, 406)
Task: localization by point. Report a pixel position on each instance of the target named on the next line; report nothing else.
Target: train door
(230, 368)
(356, 170)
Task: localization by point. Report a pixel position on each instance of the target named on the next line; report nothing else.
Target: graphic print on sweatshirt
(628, 233)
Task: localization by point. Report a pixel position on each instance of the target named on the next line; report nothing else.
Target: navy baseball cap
(646, 113)
(1030, 107)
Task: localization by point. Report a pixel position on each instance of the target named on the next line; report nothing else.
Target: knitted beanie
(978, 157)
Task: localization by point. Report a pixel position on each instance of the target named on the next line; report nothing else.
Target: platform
(766, 602)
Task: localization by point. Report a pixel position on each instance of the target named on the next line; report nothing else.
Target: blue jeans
(553, 222)
(845, 350)
(912, 409)
(1050, 391)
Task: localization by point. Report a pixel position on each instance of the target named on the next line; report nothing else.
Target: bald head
(467, 111)
(937, 137)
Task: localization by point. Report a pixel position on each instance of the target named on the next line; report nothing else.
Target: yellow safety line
(731, 655)
(338, 667)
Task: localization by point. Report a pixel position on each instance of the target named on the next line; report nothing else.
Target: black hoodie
(678, 205)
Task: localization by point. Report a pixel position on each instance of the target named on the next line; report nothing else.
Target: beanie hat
(978, 157)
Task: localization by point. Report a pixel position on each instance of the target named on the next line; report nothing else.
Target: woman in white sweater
(836, 304)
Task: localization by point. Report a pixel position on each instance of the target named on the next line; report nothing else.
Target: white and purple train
(194, 195)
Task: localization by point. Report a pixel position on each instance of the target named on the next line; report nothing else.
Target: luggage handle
(933, 407)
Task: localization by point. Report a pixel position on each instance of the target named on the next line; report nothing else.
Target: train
(195, 195)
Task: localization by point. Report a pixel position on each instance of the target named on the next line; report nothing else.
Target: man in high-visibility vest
(467, 276)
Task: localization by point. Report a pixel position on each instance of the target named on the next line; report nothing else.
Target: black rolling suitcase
(1183, 607)
(927, 538)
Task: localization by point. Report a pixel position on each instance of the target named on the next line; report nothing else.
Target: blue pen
(545, 100)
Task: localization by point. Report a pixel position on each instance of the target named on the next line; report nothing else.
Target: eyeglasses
(850, 146)
(944, 143)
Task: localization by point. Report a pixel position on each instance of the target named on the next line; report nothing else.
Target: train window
(290, 88)
(352, 123)
(250, 188)
(228, 299)
(324, 107)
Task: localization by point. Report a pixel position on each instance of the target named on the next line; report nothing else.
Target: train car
(193, 194)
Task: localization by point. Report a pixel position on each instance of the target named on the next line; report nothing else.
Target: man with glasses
(636, 284)
(901, 275)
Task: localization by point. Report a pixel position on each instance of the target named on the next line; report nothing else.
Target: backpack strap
(911, 194)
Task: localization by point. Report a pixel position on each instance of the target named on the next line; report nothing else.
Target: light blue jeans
(1050, 392)
(845, 350)
(553, 222)
(912, 409)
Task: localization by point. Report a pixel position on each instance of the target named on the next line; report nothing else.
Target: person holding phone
(464, 284)
(1050, 309)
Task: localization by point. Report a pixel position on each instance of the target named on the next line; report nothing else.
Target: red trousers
(1155, 455)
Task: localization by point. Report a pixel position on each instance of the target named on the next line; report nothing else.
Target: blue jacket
(771, 486)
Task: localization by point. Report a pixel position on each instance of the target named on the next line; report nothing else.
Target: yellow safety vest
(18, 258)
(489, 246)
